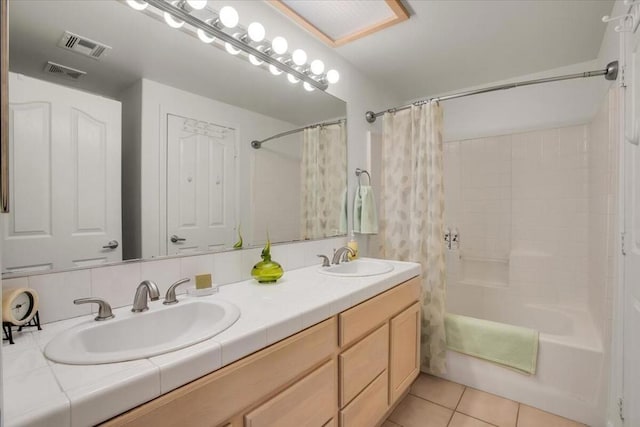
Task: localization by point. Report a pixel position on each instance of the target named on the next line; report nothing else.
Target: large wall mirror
(145, 151)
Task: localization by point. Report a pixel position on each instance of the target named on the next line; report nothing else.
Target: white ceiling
(144, 47)
(448, 45)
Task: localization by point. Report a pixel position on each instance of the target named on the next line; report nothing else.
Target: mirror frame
(4, 110)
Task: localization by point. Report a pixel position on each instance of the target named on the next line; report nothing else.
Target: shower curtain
(412, 211)
(324, 181)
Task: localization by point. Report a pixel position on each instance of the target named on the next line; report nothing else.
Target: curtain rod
(257, 144)
(609, 73)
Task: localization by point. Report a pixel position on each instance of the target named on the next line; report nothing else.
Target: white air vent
(63, 71)
(83, 45)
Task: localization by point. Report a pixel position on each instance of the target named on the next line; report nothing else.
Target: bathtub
(570, 373)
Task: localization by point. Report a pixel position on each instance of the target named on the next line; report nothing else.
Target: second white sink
(358, 268)
(133, 336)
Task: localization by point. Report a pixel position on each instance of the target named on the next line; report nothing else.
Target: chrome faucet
(325, 260)
(170, 297)
(340, 254)
(104, 309)
(146, 289)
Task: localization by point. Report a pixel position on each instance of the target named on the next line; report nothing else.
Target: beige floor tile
(489, 407)
(388, 423)
(437, 390)
(416, 412)
(462, 420)
(532, 417)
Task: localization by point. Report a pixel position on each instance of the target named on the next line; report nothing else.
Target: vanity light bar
(183, 15)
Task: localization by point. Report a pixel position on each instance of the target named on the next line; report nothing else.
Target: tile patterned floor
(434, 402)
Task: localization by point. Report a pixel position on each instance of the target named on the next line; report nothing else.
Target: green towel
(365, 217)
(511, 346)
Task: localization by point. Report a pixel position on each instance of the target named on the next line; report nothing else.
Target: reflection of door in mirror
(64, 147)
(200, 185)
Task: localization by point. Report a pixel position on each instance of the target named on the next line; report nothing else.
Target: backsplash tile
(58, 290)
(117, 283)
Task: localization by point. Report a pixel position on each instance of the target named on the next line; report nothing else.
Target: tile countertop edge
(262, 311)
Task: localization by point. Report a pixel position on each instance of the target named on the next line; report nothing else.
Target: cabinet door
(362, 363)
(369, 407)
(365, 317)
(309, 402)
(404, 362)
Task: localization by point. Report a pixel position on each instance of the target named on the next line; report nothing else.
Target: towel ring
(360, 172)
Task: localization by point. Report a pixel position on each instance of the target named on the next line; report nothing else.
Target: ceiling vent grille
(83, 45)
(63, 71)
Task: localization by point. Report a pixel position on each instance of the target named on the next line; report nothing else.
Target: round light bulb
(255, 61)
(292, 79)
(279, 45)
(275, 70)
(256, 31)
(333, 76)
(204, 36)
(138, 5)
(230, 48)
(197, 4)
(317, 67)
(171, 21)
(229, 17)
(308, 87)
(299, 57)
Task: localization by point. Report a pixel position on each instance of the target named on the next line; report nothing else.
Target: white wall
(526, 108)
(275, 193)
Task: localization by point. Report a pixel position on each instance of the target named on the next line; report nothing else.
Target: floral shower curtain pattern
(324, 181)
(412, 213)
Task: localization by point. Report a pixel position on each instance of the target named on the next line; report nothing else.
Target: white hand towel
(365, 216)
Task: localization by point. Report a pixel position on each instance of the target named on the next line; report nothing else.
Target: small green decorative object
(238, 244)
(267, 271)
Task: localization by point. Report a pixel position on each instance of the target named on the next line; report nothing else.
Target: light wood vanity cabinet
(349, 371)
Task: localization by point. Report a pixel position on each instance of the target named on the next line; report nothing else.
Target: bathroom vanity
(313, 349)
(347, 370)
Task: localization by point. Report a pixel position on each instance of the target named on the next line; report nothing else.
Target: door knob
(113, 244)
(176, 239)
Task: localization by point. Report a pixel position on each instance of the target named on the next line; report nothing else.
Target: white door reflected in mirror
(64, 148)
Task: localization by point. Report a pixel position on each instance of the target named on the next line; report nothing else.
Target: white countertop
(38, 392)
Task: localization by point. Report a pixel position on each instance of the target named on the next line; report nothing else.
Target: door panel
(201, 168)
(64, 159)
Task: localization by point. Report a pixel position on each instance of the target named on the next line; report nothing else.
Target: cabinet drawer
(404, 362)
(309, 402)
(362, 363)
(369, 407)
(216, 397)
(365, 317)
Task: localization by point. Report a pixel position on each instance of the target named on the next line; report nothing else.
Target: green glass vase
(267, 271)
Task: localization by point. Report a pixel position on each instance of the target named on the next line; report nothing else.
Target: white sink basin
(131, 336)
(358, 268)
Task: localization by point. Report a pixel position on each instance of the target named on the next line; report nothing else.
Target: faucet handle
(325, 260)
(170, 297)
(104, 309)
